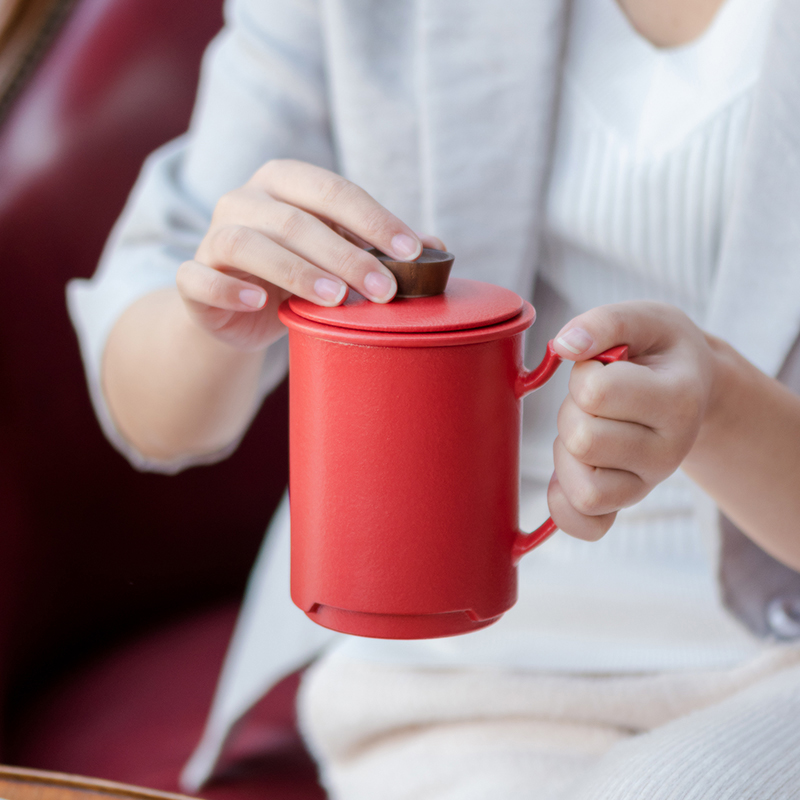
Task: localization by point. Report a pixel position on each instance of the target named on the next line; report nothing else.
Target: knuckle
(226, 206)
(233, 243)
(335, 191)
(216, 290)
(588, 499)
(616, 321)
(353, 261)
(373, 222)
(292, 224)
(580, 441)
(291, 271)
(270, 170)
(183, 278)
(590, 394)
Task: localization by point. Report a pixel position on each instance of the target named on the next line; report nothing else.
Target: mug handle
(528, 382)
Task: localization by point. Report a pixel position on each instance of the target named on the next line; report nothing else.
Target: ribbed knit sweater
(645, 165)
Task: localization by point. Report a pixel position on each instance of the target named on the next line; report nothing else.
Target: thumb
(574, 342)
(643, 326)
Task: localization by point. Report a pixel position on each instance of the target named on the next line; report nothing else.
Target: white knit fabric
(647, 149)
(405, 734)
(646, 157)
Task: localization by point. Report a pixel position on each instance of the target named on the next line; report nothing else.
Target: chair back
(88, 546)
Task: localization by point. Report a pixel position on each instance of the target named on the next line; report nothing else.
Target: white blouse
(623, 216)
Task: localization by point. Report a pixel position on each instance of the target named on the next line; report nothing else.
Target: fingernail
(378, 285)
(330, 290)
(403, 246)
(440, 245)
(253, 298)
(576, 340)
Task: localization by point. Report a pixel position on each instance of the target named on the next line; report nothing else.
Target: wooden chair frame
(26, 29)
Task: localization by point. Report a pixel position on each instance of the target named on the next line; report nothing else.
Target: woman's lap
(401, 733)
(471, 761)
(744, 748)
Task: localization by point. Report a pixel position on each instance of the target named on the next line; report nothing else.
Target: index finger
(324, 193)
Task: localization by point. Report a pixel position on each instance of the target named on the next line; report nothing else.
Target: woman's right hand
(293, 228)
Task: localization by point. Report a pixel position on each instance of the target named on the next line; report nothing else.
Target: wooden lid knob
(424, 277)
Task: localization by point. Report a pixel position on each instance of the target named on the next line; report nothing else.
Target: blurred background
(118, 590)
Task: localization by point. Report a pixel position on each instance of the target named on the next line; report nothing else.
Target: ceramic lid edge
(522, 321)
(464, 305)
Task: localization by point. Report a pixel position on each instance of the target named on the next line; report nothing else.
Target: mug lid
(464, 304)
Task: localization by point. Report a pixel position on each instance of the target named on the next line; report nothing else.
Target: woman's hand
(293, 228)
(626, 426)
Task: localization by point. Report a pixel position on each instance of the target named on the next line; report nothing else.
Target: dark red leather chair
(118, 590)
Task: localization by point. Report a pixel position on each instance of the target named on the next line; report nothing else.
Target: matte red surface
(464, 304)
(404, 471)
(404, 478)
(448, 338)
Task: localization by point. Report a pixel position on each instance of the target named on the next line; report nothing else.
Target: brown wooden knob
(421, 278)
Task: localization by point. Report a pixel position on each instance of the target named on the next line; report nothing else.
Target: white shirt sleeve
(261, 96)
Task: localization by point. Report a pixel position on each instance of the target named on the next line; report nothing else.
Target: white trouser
(383, 732)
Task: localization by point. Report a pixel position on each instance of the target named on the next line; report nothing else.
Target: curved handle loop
(528, 382)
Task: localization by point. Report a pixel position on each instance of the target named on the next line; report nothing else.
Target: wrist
(730, 376)
(172, 388)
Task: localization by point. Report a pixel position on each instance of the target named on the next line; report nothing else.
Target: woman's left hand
(626, 426)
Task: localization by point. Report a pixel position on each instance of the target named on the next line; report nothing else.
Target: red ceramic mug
(405, 423)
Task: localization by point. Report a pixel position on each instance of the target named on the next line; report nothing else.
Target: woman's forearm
(747, 456)
(174, 390)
